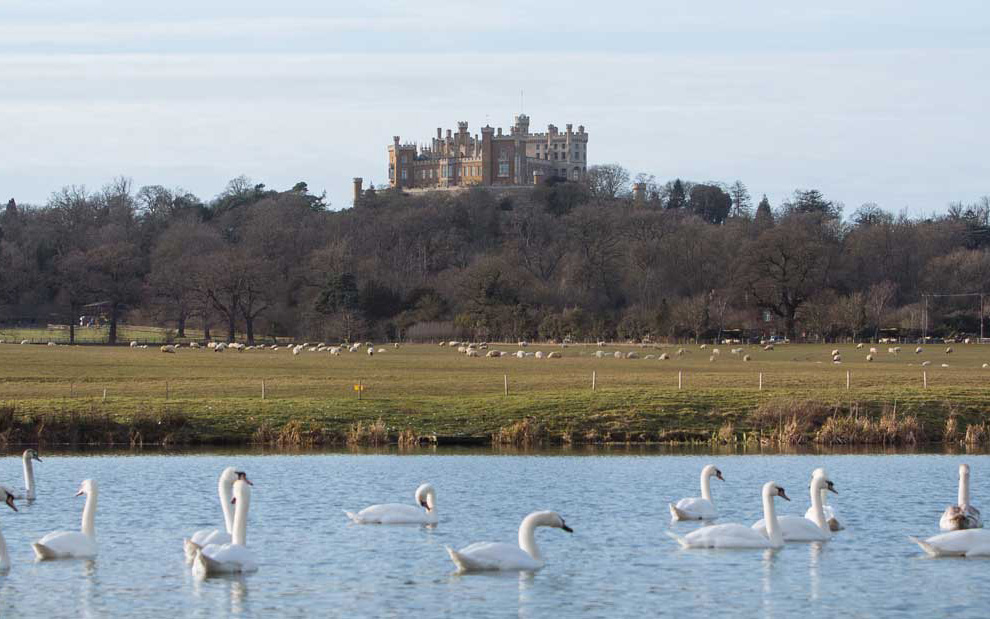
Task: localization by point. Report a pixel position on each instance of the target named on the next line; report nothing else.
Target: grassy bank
(55, 395)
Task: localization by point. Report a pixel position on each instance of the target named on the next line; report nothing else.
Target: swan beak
(80, 493)
(233, 501)
(782, 494)
(831, 488)
(718, 475)
(425, 506)
(36, 457)
(10, 502)
(566, 528)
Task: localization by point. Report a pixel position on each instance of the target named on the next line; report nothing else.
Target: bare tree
(607, 181)
(878, 298)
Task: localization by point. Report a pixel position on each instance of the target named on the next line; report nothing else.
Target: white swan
(962, 543)
(739, 535)
(7, 497)
(482, 556)
(27, 457)
(800, 529)
(235, 557)
(204, 537)
(830, 517)
(962, 515)
(398, 513)
(695, 508)
(73, 544)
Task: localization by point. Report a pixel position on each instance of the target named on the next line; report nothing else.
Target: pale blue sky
(867, 100)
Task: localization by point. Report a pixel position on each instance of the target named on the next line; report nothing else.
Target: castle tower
(358, 182)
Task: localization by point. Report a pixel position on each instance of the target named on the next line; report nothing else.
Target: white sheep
(869, 358)
(395, 345)
(335, 351)
(747, 358)
(193, 344)
(986, 365)
(650, 357)
(134, 344)
(553, 355)
(520, 354)
(354, 348)
(918, 350)
(24, 342)
(529, 354)
(371, 351)
(539, 354)
(859, 346)
(835, 351)
(296, 350)
(523, 344)
(632, 355)
(220, 347)
(600, 354)
(703, 346)
(51, 343)
(381, 350)
(601, 343)
(966, 341)
(680, 352)
(453, 343)
(925, 364)
(836, 357)
(663, 357)
(712, 358)
(768, 347)
(716, 352)
(443, 343)
(945, 365)
(948, 350)
(493, 353)
(473, 353)
(168, 348)
(617, 355)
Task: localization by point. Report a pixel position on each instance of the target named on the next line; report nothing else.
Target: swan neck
(28, 478)
(770, 517)
(963, 489)
(89, 514)
(706, 485)
(818, 504)
(226, 494)
(4, 556)
(239, 532)
(527, 537)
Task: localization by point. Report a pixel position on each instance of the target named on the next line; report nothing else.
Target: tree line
(590, 260)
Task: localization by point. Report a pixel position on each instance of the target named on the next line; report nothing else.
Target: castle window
(503, 168)
(405, 174)
(405, 159)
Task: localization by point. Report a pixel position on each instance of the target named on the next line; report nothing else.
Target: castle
(495, 159)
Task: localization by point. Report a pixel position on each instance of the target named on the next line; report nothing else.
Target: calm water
(618, 562)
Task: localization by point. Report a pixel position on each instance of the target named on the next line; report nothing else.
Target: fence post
(678, 380)
(847, 380)
(104, 394)
(593, 377)
(505, 378)
(761, 381)
(262, 388)
(924, 378)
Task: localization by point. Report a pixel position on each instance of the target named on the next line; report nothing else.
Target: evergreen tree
(677, 198)
(764, 216)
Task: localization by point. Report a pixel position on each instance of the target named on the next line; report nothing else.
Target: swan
(698, 509)
(235, 557)
(204, 537)
(963, 515)
(398, 513)
(830, 517)
(27, 457)
(73, 544)
(960, 543)
(800, 529)
(739, 535)
(8, 498)
(482, 556)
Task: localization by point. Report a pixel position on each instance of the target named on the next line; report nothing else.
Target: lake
(619, 561)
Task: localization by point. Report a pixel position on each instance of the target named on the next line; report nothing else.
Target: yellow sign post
(359, 388)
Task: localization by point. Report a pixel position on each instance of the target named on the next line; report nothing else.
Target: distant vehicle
(778, 339)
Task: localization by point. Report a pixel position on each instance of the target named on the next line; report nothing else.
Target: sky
(867, 100)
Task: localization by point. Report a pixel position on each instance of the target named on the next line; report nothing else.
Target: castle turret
(358, 182)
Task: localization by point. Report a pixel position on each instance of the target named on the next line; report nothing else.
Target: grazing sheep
(873, 350)
(539, 354)
(859, 346)
(51, 343)
(296, 350)
(395, 345)
(600, 354)
(945, 365)
(986, 365)
(925, 363)
(493, 353)
(768, 347)
(473, 353)
(703, 346)
(680, 352)
(650, 357)
(520, 354)
(193, 344)
(443, 343)
(453, 343)
(716, 352)
(220, 347)
(632, 355)
(747, 358)
(553, 355)
(712, 358)
(24, 342)
(835, 352)
(381, 350)
(168, 348)
(354, 348)
(869, 358)
(144, 346)
(601, 343)
(617, 355)
(335, 351)
(134, 344)
(529, 354)
(948, 350)
(371, 351)
(918, 350)
(836, 357)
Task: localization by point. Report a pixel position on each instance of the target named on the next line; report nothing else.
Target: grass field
(427, 390)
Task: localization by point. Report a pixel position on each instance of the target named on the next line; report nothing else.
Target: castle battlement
(496, 158)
